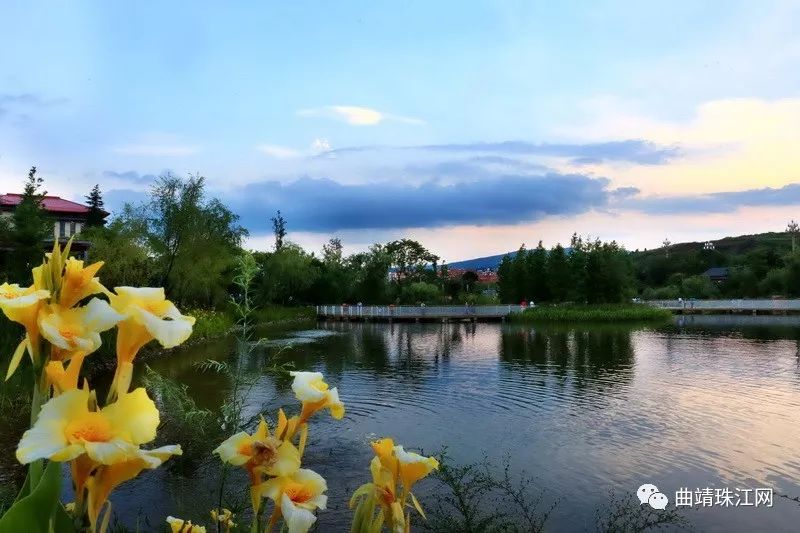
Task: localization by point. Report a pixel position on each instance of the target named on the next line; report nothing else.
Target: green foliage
(122, 245)
(593, 272)
(279, 228)
(627, 515)
(182, 420)
(593, 313)
(286, 275)
(29, 226)
(38, 510)
(276, 314)
(210, 323)
(759, 266)
(420, 292)
(411, 259)
(472, 498)
(178, 239)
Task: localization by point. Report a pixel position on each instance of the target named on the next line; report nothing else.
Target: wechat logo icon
(650, 495)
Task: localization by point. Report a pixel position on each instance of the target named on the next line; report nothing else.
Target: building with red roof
(69, 217)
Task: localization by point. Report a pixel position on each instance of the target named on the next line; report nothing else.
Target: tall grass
(274, 314)
(593, 313)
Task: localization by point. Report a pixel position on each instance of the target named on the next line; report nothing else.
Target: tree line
(590, 271)
(188, 242)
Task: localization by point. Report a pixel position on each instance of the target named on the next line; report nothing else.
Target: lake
(586, 410)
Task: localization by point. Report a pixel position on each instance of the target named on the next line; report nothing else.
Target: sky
(473, 127)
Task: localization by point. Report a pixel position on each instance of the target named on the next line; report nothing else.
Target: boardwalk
(414, 312)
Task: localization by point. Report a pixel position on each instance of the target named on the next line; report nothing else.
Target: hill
(490, 262)
(724, 250)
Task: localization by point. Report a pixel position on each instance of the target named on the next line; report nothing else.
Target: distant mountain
(481, 263)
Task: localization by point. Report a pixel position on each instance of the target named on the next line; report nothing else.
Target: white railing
(728, 305)
(416, 311)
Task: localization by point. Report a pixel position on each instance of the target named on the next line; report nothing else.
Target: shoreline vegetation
(592, 313)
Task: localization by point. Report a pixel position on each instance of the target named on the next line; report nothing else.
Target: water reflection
(585, 409)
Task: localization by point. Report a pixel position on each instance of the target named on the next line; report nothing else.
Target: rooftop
(52, 204)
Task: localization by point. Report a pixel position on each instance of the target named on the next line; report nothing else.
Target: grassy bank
(211, 323)
(592, 313)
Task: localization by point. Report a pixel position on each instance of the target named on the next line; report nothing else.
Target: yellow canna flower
(77, 329)
(66, 429)
(260, 453)
(297, 497)
(183, 526)
(79, 282)
(149, 315)
(385, 487)
(225, 518)
(310, 388)
(22, 305)
(64, 379)
(413, 466)
(108, 477)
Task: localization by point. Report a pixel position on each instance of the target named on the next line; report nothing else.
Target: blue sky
(474, 126)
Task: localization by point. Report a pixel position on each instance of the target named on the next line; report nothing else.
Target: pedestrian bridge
(416, 312)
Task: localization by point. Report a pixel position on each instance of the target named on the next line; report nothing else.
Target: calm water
(706, 402)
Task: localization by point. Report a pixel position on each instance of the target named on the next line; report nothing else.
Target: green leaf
(418, 506)
(62, 521)
(35, 511)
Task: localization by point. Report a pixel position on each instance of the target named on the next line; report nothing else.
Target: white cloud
(320, 146)
(279, 152)
(356, 115)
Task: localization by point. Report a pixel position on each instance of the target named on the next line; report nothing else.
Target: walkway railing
(415, 311)
(727, 305)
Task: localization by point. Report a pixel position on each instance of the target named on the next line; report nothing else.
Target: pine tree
(96, 215)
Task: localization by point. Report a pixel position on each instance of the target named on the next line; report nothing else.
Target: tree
(410, 259)
(30, 226)
(286, 275)
(538, 287)
(193, 241)
(469, 280)
(279, 228)
(505, 282)
(96, 214)
(558, 276)
(793, 229)
(370, 275)
(122, 245)
(666, 244)
(332, 252)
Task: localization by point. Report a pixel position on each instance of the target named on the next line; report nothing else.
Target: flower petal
(134, 417)
(298, 520)
(112, 452)
(230, 451)
(46, 438)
